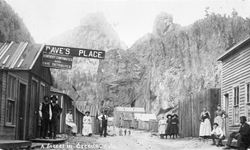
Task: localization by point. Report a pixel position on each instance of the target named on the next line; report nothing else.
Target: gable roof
(234, 49)
(19, 55)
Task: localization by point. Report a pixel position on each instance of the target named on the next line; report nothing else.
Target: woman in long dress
(219, 117)
(205, 126)
(70, 122)
(162, 127)
(87, 129)
(169, 117)
(174, 128)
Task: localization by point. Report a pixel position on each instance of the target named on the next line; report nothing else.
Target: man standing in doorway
(104, 123)
(45, 115)
(56, 111)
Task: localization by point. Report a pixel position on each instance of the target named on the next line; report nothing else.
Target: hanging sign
(74, 52)
(57, 61)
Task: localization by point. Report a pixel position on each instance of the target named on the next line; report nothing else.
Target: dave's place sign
(62, 57)
(74, 52)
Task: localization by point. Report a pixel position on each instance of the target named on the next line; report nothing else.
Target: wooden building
(235, 84)
(123, 116)
(23, 83)
(66, 103)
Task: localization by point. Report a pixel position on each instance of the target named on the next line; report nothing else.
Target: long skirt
(162, 129)
(220, 121)
(73, 126)
(205, 128)
(86, 130)
(174, 129)
(168, 129)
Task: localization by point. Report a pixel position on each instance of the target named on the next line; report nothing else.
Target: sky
(131, 18)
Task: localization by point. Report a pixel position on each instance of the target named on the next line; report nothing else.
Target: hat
(46, 97)
(244, 118)
(87, 112)
(69, 109)
(175, 115)
(54, 97)
(218, 105)
(216, 124)
(169, 115)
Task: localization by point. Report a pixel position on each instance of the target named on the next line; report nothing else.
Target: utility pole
(78, 96)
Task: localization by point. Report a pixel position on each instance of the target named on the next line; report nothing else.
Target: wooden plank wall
(191, 107)
(235, 72)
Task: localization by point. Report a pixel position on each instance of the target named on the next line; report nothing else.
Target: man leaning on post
(242, 135)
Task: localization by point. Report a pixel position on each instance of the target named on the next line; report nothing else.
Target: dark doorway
(21, 111)
(226, 99)
(33, 126)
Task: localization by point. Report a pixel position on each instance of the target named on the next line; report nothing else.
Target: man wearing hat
(70, 122)
(56, 111)
(242, 135)
(217, 134)
(104, 123)
(45, 115)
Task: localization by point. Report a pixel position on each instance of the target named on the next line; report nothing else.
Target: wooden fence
(191, 108)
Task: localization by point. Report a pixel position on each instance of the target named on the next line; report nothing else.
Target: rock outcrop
(174, 61)
(12, 27)
(94, 32)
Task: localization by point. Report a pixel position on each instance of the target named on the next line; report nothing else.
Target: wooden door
(21, 111)
(34, 106)
(226, 99)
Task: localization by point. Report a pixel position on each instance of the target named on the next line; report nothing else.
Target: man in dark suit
(45, 115)
(104, 123)
(56, 111)
(242, 135)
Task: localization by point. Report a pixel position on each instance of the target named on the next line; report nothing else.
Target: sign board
(74, 52)
(57, 61)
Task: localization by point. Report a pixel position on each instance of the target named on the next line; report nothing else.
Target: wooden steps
(6, 144)
(53, 141)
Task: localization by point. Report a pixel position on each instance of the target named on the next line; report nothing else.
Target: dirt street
(138, 140)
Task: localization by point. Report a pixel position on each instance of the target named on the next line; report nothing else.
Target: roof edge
(233, 49)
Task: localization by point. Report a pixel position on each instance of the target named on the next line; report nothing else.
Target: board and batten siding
(8, 132)
(236, 72)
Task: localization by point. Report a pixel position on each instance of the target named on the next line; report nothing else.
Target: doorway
(21, 111)
(226, 99)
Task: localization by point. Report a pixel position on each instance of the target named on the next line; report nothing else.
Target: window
(11, 95)
(236, 105)
(247, 92)
(42, 92)
(248, 100)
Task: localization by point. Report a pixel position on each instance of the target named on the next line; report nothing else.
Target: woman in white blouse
(87, 128)
(217, 134)
(70, 122)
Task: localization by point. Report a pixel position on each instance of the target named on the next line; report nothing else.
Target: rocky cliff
(94, 32)
(12, 27)
(168, 64)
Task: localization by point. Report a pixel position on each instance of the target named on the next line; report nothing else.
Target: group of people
(87, 128)
(49, 112)
(169, 126)
(124, 132)
(218, 132)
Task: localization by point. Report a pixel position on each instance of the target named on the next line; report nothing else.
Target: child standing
(120, 131)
